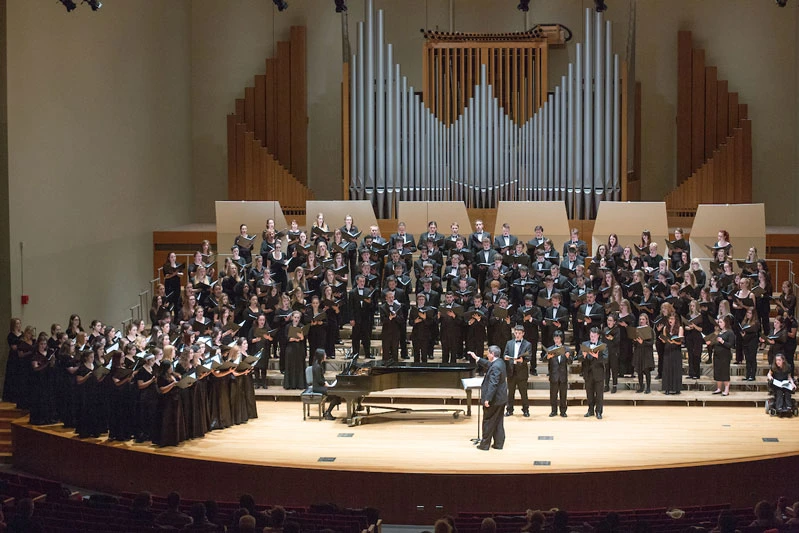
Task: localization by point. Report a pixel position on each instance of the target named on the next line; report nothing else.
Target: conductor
(494, 393)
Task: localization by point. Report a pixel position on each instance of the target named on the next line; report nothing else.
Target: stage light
(600, 6)
(782, 3)
(94, 4)
(69, 4)
(341, 6)
(524, 5)
(281, 5)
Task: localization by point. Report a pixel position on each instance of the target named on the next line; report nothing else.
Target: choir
(192, 371)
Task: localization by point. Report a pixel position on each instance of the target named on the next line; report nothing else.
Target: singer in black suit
(505, 241)
(594, 362)
(494, 395)
(558, 375)
(556, 316)
(392, 317)
(517, 354)
(362, 309)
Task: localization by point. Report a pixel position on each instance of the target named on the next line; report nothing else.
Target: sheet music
(472, 383)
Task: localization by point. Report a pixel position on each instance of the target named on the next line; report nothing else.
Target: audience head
(173, 500)
(726, 522)
(246, 524)
(442, 526)
(488, 525)
(198, 514)
(277, 516)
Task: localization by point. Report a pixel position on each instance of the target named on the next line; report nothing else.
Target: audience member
(141, 509)
(23, 520)
(726, 522)
(200, 520)
(247, 524)
(535, 521)
(246, 501)
(173, 516)
(488, 525)
(442, 526)
(764, 516)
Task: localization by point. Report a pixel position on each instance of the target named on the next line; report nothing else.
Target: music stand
(470, 384)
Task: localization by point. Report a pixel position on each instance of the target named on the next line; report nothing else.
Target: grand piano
(356, 382)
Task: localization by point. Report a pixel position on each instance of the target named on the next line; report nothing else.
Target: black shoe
(496, 447)
(676, 392)
(658, 377)
(526, 414)
(508, 413)
(648, 390)
(607, 388)
(370, 356)
(328, 416)
(599, 416)
(483, 448)
(553, 413)
(564, 415)
(534, 373)
(589, 414)
(613, 390)
(639, 390)
(406, 356)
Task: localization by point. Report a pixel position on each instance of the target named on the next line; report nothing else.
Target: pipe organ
(488, 127)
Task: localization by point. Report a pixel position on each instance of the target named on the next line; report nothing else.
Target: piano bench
(313, 398)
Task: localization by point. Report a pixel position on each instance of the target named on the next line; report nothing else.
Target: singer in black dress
(722, 355)
(170, 409)
(672, 356)
(294, 378)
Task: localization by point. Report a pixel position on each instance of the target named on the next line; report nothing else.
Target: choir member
(392, 317)
(244, 244)
(147, 399)
(477, 238)
(559, 358)
(75, 325)
(693, 330)
(625, 319)
(612, 339)
(173, 277)
(574, 240)
(170, 423)
(362, 308)
(594, 357)
(780, 371)
(517, 354)
(643, 355)
(11, 385)
(89, 421)
(672, 356)
(42, 399)
(722, 355)
(750, 326)
(294, 378)
(529, 316)
(423, 322)
(451, 330)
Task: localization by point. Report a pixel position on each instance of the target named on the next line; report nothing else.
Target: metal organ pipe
(566, 150)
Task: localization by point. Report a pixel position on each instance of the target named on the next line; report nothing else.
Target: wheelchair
(793, 409)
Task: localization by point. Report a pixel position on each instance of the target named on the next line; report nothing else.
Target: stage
(418, 469)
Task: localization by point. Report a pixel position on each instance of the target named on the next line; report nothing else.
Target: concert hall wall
(99, 152)
(753, 44)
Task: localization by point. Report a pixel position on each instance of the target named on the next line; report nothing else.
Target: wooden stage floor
(627, 438)
(416, 470)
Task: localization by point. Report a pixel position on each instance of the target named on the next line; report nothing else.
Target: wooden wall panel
(299, 105)
(698, 109)
(231, 159)
(249, 178)
(271, 105)
(732, 121)
(260, 108)
(240, 109)
(746, 178)
(283, 138)
(249, 108)
(684, 99)
(722, 112)
(711, 91)
(240, 166)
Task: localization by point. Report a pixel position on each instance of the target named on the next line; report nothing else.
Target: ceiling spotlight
(600, 6)
(69, 4)
(94, 4)
(341, 6)
(782, 3)
(524, 5)
(281, 5)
